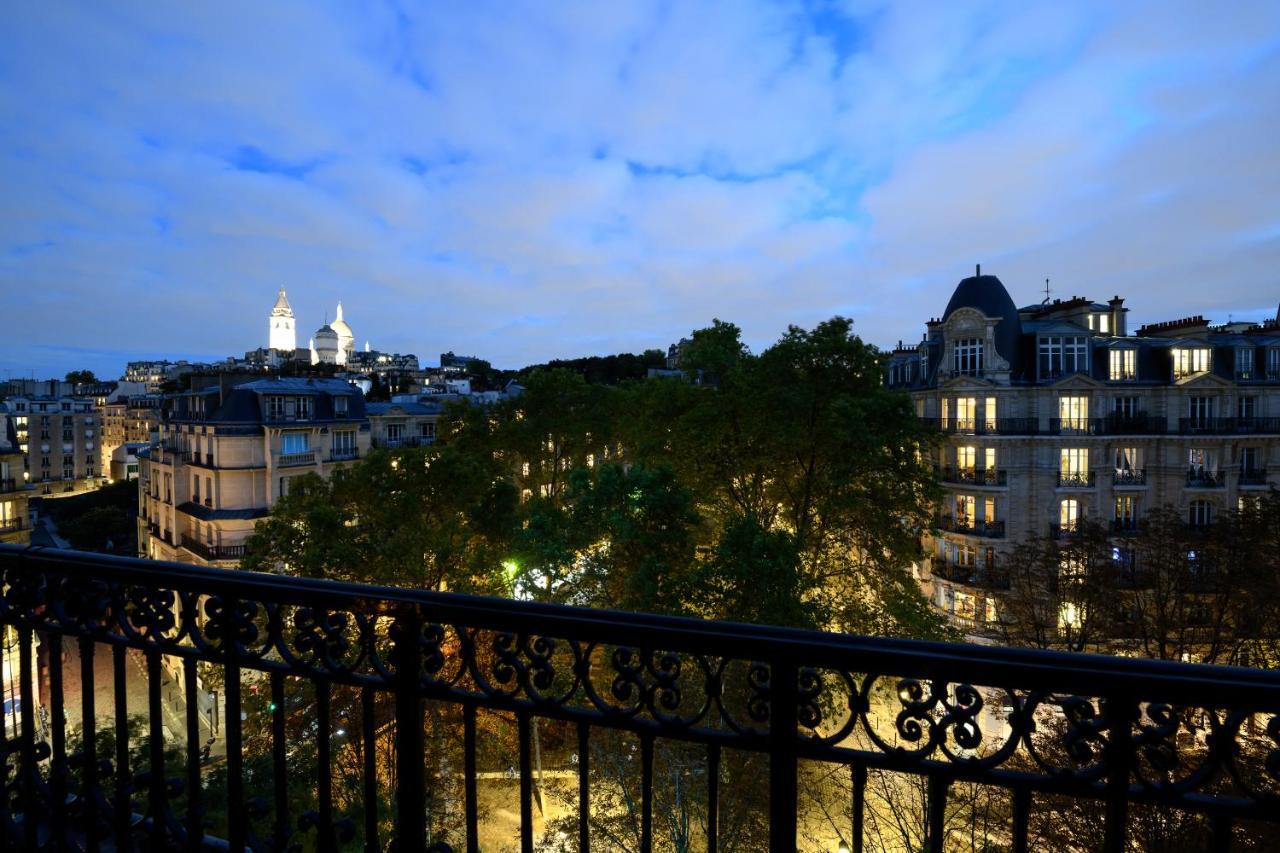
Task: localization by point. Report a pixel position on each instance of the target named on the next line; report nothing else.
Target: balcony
(974, 476)
(1129, 477)
(402, 441)
(1077, 479)
(1040, 727)
(1254, 477)
(212, 552)
(11, 484)
(968, 527)
(204, 460)
(288, 460)
(978, 426)
(12, 525)
(1229, 426)
(1126, 526)
(343, 454)
(1139, 424)
(981, 577)
(1202, 479)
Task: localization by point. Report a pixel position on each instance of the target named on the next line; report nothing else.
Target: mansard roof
(987, 294)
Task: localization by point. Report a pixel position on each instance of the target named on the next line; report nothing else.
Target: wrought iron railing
(974, 476)
(1137, 424)
(1253, 477)
(212, 551)
(980, 426)
(286, 460)
(1126, 734)
(1229, 426)
(1203, 479)
(1129, 477)
(1077, 479)
(972, 527)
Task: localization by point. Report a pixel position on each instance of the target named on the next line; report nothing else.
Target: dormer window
(1190, 360)
(1063, 355)
(1273, 363)
(967, 358)
(1244, 362)
(339, 407)
(304, 408)
(1124, 365)
(275, 408)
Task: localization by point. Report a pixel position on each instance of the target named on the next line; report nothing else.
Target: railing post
(411, 814)
(783, 731)
(1121, 711)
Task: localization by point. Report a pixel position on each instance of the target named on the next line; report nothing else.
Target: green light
(510, 567)
(273, 707)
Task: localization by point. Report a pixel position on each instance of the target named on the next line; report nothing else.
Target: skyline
(523, 184)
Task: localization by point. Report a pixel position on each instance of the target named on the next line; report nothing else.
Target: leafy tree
(81, 377)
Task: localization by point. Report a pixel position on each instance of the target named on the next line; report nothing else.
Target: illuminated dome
(327, 344)
(346, 339)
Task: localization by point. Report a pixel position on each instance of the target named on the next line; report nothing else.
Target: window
(1104, 323)
(1200, 514)
(275, 408)
(946, 412)
(1060, 356)
(1273, 363)
(1126, 512)
(1128, 459)
(1189, 360)
(989, 461)
(1068, 514)
(1073, 413)
(968, 356)
(428, 430)
(966, 510)
(966, 413)
(966, 458)
(195, 489)
(1246, 408)
(1248, 460)
(294, 442)
(1124, 365)
(991, 414)
(304, 408)
(344, 442)
(1200, 410)
(1125, 408)
(1073, 466)
(1244, 362)
(339, 407)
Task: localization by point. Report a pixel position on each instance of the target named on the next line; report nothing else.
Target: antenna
(1046, 292)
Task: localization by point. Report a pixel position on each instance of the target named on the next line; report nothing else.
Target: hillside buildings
(225, 456)
(1054, 412)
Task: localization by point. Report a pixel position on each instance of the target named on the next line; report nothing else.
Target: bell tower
(281, 335)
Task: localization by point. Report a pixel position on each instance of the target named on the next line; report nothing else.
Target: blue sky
(529, 181)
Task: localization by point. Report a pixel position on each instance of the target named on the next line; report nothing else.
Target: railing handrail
(1077, 672)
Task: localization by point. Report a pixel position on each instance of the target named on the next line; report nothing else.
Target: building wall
(59, 438)
(14, 493)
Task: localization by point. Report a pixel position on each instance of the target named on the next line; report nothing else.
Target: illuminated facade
(58, 438)
(1054, 413)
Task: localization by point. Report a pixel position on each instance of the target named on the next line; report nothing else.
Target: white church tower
(282, 335)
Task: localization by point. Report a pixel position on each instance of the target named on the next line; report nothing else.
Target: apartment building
(129, 416)
(1054, 412)
(14, 488)
(225, 456)
(58, 437)
(404, 424)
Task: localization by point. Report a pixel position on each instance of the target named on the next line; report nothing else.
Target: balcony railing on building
(1122, 736)
(1254, 477)
(974, 476)
(1129, 477)
(287, 460)
(972, 527)
(343, 454)
(980, 426)
(1229, 426)
(212, 551)
(1137, 424)
(12, 525)
(987, 575)
(1077, 479)
(1202, 478)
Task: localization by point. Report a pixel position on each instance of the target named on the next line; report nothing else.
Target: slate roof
(987, 294)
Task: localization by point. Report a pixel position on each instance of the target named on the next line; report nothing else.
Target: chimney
(1117, 316)
(978, 272)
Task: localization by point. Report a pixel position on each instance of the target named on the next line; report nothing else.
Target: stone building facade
(225, 456)
(58, 437)
(1054, 412)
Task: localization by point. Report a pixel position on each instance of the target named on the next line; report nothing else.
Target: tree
(81, 377)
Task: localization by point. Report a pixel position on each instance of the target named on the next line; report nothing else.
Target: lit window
(1188, 361)
(1124, 364)
(1069, 514)
(966, 458)
(1244, 362)
(966, 413)
(991, 413)
(1073, 413)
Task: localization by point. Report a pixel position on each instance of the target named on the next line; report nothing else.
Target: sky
(526, 181)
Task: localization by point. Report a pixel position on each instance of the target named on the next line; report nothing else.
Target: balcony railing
(1139, 424)
(1129, 477)
(343, 454)
(1077, 479)
(9, 484)
(12, 525)
(1200, 479)
(212, 552)
(978, 426)
(286, 460)
(1041, 727)
(988, 529)
(982, 577)
(1253, 477)
(974, 476)
(1126, 526)
(1229, 426)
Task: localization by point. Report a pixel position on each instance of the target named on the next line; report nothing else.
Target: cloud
(527, 181)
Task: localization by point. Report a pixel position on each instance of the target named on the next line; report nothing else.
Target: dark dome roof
(986, 294)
